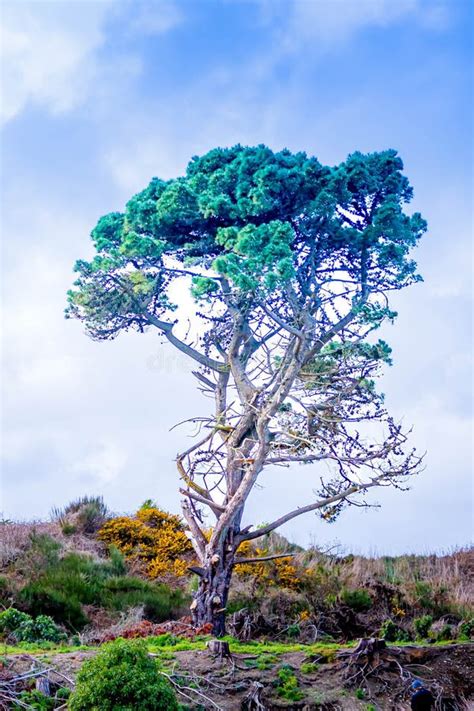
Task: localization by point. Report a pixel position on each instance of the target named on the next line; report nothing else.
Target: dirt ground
(332, 684)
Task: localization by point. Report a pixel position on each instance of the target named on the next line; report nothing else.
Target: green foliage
(5, 591)
(122, 677)
(35, 700)
(358, 600)
(42, 552)
(444, 634)
(75, 580)
(360, 694)
(424, 595)
(23, 628)
(117, 562)
(263, 661)
(309, 667)
(247, 213)
(288, 686)
(466, 629)
(41, 597)
(12, 619)
(422, 626)
(160, 601)
(391, 632)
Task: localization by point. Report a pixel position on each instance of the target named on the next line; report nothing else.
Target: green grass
(167, 644)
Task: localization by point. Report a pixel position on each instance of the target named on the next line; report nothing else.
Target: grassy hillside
(86, 577)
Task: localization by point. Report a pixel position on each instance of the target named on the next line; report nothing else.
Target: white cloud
(328, 23)
(155, 18)
(48, 54)
(337, 19)
(51, 51)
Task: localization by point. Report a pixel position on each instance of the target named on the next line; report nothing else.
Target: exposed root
(252, 701)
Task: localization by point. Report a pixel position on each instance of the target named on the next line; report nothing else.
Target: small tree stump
(219, 649)
(43, 685)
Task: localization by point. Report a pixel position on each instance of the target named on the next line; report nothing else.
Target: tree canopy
(263, 223)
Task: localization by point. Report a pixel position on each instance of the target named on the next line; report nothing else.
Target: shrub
(288, 687)
(422, 626)
(159, 601)
(277, 573)
(153, 537)
(68, 583)
(121, 677)
(11, 619)
(41, 629)
(117, 561)
(423, 595)
(23, 628)
(86, 514)
(445, 633)
(466, 629)
(43, 551)
(393, 633)
(39, 598)
(359, 600)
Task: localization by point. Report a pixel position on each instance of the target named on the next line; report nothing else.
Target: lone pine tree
(290, 264)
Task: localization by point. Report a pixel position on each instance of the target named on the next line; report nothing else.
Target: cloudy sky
(98, 97)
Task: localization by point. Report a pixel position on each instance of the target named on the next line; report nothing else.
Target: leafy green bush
(466, 629)
(122, 677)
(422, 626)
(11, 619)
(288, 687)
(359, 600)
(391, 632)
(23, 628)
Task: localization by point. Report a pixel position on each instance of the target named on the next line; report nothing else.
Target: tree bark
(210, 599)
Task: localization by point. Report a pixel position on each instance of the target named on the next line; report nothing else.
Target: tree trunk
(210, 600)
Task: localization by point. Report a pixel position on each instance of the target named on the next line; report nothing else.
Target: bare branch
(244, 561)
(354, 488)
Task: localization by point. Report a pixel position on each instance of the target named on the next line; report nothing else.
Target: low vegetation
(122, 676)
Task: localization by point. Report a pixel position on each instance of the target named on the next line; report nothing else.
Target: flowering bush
(153, 537)
(280, 572)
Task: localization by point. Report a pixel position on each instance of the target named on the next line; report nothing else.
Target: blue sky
(98, 98)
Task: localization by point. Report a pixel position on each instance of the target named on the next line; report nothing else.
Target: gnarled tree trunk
(210, 600)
